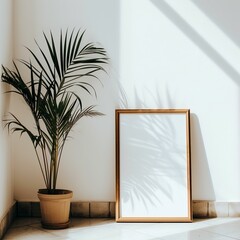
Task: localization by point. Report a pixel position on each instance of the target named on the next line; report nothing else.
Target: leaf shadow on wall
(143, 186)
(202, 185)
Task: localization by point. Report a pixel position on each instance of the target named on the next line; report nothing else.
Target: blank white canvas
(153, 165)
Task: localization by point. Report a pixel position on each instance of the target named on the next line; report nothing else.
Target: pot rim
(45, 191)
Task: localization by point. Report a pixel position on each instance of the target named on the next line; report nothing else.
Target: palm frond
(51, 93)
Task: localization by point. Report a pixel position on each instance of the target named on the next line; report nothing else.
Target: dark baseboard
(78, 209)
(201, 209)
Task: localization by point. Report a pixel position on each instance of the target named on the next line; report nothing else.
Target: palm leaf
(50, 92)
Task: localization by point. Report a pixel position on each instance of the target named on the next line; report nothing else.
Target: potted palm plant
(51, 92)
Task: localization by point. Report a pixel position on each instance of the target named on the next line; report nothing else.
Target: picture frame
(153, 165)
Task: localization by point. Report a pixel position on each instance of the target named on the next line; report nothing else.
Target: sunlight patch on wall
(208, 30)
(173, 56)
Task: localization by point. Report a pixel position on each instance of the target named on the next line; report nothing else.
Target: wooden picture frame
(153, 165)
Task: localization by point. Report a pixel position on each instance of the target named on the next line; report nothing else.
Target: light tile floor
(107, 229)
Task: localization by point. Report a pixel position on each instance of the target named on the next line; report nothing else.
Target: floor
(107, 229)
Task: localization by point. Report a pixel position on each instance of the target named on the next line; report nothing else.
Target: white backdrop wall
(6, 185)
(88, 166)
(164, 54)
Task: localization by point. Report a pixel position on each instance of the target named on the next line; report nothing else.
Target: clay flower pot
(55, 208)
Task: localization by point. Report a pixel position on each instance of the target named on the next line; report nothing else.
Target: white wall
(6, 186)
(175, 54)
(88, 165)
(166, 54)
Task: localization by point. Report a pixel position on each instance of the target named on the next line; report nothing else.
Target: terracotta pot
(55, 208)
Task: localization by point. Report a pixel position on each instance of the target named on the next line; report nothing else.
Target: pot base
(55, 225)
(55, 208)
